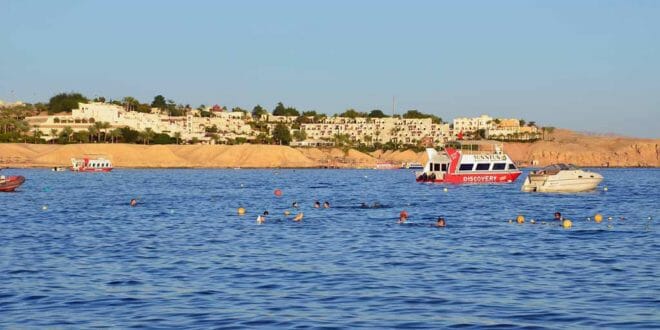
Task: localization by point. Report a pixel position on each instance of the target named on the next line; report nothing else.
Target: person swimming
(326, 205)
(403, 216)
(441, 222)
(262, 217)
(294, 205)
(298, 217)
(557, 216)
(317, 204)
(133, 202)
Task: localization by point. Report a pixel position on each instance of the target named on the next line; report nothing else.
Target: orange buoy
(278, 193)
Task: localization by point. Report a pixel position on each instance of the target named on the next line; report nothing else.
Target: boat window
(512, 166)
(466, 167)
(436, 167)
(483, 166)
(499, 166)
(444, 167)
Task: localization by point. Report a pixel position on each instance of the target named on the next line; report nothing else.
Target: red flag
(460, 135)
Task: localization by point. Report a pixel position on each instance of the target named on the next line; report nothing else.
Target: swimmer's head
(441, 222)
(133, 202)
(557, 216)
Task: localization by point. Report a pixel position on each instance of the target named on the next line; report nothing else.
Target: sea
(74, 253)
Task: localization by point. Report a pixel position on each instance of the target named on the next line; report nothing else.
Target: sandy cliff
(562, 146)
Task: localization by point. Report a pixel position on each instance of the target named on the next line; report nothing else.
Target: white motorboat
(561, 178)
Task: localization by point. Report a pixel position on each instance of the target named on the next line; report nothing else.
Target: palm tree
(37, 133)
(99, 128)
(115, 134)
(53, 134)
(93, 130)
(147, 135)
(177, 136)
(67, 131)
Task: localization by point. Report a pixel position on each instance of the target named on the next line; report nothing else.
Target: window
(483, 166)
(436, 167)
(444, 167)
(499, 166)
(466, 167)
(512, 166)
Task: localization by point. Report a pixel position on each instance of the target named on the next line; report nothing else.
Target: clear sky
(586, 65)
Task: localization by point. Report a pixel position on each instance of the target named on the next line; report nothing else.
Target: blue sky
(586, 65)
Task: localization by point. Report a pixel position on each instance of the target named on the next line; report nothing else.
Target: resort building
(229, 124)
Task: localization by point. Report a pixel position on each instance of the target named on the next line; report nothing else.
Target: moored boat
(386, 166)
(460, 166)
(91, 164)
(566, 178)
(412, 166)
(10, 183)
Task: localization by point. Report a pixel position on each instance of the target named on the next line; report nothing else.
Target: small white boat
(561, 178)
(412, 166)
(59, 169)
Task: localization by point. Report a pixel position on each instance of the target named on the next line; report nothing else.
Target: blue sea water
(74, 254)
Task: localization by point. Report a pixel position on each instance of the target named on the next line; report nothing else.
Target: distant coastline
(564, 147)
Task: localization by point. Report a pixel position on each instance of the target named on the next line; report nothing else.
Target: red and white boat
(10, 183)
(462, 166)
(89, 164)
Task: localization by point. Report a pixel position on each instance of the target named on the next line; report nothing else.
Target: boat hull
(563, 186)
(11, 183)
(479, 178)
(92, 169)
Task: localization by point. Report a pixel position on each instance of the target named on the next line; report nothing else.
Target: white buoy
(605, 189)
(445, 189)
(45, 207)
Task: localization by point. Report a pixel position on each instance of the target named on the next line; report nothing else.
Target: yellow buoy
(241, 211)
(567, 223)
(520, 219)
(598, 217)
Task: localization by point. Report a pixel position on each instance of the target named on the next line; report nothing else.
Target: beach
(563, 146)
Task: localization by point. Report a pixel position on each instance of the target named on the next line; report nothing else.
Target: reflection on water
(75, 254)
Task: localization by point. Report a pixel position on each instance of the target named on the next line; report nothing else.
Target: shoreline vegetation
(563, 147)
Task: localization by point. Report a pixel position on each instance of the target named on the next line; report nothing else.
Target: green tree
(159, 102)
(65, 102)
(67, 132)
(281, 110)
(147, 135)
(281, 134)
(377, 114)
(94, 130)
(351, 113)
(130, 103)
(177, 136)
(258, 111)
(299, 135)
(115, 135)
(521, 122)
(53, 134)
(129, 135)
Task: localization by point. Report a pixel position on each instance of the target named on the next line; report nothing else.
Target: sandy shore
(565, 146)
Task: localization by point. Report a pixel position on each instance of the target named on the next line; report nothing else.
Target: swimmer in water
(376, 205)
(133, 202)
(441, 222)
(298, 217)
(326, 205)
(557, 216)
(294, 205)
(317, 205)
(403, 216)
(262, 218)
(364, 205)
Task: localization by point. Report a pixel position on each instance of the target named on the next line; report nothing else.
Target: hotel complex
(222, 126)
